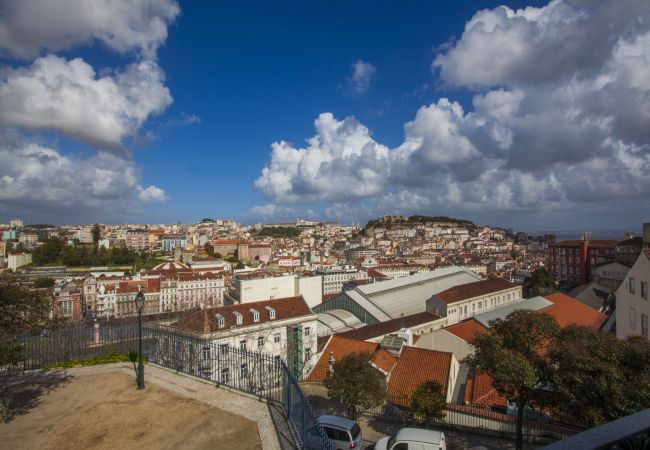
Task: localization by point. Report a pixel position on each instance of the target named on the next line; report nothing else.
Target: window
(243, 370)
(307, 331)
(206, 352)
(223, 349)
(644, 290)
(225, 375)
(238, 317)
(276, 338)
(221, 321)
(242, 345)
(631, 285)
(632, 318)
(644, 325)
(260, 342)
(307, 353)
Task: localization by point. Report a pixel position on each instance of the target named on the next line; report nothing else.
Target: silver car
(342, 433)
(413, 439)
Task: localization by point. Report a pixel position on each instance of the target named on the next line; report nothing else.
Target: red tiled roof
(467, 330)
(390, 326)
(569, 311)
(340, 347)
(414, 367)
(479, 391)
(471, 290)
(285, 308)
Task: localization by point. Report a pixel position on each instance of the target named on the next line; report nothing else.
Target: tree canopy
(598, 378)
(429, 401)
(55, 251)
(512, 355)
(279, 231)
(541, 283)
(21, 310)
(356, 383)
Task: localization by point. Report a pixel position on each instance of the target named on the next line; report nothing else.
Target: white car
(413, 439)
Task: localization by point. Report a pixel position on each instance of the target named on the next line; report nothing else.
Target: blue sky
(177, 106)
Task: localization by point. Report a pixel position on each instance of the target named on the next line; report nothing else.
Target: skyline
(162, 112)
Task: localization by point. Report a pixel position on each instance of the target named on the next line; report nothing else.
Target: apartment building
(467, 300)
(573, 261)
(632, 307)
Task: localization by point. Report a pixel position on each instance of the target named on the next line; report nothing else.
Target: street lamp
(139, 303)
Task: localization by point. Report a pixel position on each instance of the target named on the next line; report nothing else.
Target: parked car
(342, 433)
(413, 439)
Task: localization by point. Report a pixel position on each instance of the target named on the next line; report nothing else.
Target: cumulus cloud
(36, 176)
(151, 194)
(69, 96)
(359, 81)
(560, 41)
(559, 120)
(341, 154)
(29, 26)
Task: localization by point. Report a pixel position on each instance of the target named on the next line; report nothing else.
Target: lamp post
(139, 303)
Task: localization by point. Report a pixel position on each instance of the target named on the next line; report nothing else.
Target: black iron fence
(254, 373)
(54, 347)
(477, 419)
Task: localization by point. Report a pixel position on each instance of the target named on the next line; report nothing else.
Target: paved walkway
(99, 407)
(373, 428)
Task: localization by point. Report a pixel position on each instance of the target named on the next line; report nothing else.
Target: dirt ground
(55, 410)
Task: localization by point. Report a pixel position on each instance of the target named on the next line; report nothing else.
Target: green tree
(45, 282)
(512, 355)
(97, 234)
(21, 310)
(209, 249)
(356, 383)
(598, 378)
(541, 283)
(429, 401)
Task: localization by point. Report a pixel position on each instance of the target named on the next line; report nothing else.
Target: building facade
(573, 261)
(632, 303)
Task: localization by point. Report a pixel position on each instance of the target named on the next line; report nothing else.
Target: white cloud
(561, 41)
(359, 81)
(67, 95)
(29, 26)
(152, 194)
(341, 161)
(551, 128)
(35, 177)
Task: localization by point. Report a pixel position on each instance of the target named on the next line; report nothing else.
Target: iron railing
(477, 419)
(264, 376)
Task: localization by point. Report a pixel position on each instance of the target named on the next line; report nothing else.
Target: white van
(413, 439)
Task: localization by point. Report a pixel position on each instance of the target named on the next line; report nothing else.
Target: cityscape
(295, 226)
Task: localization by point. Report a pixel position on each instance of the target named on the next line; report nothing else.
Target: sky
(529, 115)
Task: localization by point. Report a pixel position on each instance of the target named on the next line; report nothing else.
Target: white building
(284, 328)
(610, 275)
(258, 286)
(335, 277)
(632, 307)
(16, 223)
(16, 260)
(467, 300)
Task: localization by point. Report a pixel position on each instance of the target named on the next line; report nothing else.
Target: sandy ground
(101, 409)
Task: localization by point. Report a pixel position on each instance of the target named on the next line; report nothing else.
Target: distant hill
(389, 221)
